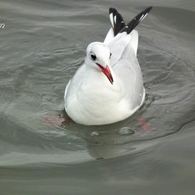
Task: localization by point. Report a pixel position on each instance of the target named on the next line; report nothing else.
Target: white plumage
(108, 87)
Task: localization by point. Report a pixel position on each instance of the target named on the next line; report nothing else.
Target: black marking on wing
(135, 21)
(117, 20)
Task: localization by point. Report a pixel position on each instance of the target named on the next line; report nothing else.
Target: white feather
(90, 98)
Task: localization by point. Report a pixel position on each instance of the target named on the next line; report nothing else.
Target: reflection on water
(42, 48)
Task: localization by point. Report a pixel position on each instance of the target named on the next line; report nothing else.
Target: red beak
(107, 72)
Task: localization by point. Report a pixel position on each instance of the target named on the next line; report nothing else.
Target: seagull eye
(93, 56)
(110, 55)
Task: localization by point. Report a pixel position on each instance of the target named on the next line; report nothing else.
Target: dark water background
(42, 45)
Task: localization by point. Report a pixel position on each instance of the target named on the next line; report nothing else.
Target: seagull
(108, 87)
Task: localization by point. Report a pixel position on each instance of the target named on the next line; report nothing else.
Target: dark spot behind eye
(110, 55)
(93, 56)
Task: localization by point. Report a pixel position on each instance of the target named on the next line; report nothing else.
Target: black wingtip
(136, 20)
(148, 9)
(116, 20)
(112, 10)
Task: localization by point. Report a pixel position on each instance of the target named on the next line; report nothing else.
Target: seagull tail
(135, 21)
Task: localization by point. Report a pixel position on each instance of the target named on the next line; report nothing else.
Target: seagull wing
(124, 50)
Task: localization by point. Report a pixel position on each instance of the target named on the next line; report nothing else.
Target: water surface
(42, 45)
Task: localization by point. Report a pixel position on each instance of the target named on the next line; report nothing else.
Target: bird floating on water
(108, 87)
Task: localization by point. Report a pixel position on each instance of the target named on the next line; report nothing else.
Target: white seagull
(108, 87)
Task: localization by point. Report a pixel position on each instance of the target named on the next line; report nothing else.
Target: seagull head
(98, 56)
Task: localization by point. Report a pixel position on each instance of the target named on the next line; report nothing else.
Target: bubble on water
(125, 131)
(95, 133)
